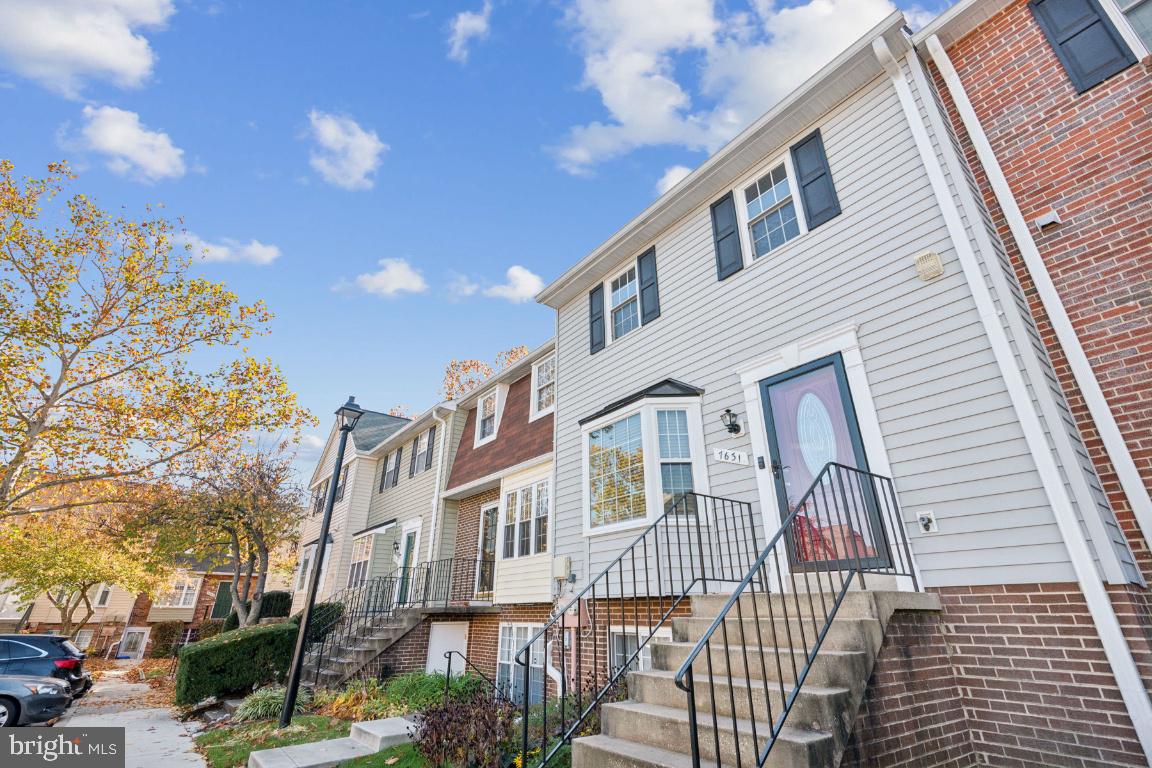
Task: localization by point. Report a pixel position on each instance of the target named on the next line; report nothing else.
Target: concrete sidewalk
(153, 737)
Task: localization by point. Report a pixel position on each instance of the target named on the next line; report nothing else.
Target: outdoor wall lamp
(731, 421)
(396, 547)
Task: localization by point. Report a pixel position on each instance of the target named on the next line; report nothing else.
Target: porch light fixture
(396, 547)
(346, 417)
(731, 421)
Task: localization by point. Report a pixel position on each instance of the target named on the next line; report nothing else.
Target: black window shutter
(596, 318)
(384, 475)
(396, 469)
(649, 291)
(729, 260)
(814, 178)
(1084, 40)
(412, 460)
(431, 443)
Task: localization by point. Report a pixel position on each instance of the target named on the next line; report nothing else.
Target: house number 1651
(729, 456)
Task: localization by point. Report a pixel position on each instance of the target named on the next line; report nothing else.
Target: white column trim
(1112, 638)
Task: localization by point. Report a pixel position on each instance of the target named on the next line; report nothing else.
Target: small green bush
(276, 604)
(234, 662)
(211, 628)
(233, 620)
(267, 702)
(165, 635)
(416, 691)
(324, 619)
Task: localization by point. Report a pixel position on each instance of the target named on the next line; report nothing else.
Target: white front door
(133, 643)
(444, 637)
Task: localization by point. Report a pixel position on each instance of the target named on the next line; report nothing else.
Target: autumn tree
(105, 339)
(64, 556)
(463, 376)
(243, 508)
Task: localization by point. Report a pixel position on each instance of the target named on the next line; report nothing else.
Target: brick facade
(1089, 158)
(468, 522)
(517, 439)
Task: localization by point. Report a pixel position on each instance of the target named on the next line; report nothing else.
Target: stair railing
(467, 667)
(580, 658)
(846, 524)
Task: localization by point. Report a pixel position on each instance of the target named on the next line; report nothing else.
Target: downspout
(442, 428)
(1114, 444)
(1104, 618)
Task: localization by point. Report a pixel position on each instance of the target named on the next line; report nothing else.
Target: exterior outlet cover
(926, 522)
(929, 265)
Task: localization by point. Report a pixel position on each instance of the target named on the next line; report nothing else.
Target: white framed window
(526, 512)
(623, 642)
(769, 209)
(319, 494)
(361, 556)
(180, 592)
(343, 482)
(103, 594)
(638, 463)
(391, 474)
(1139, 13)
(306, 556)
(488, 415)
(422, 445)
(509, 674)
(83, 638)
(544, 387)
(624, 303)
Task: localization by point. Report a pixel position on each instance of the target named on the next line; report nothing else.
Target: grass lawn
(403, 756)
(229, 747)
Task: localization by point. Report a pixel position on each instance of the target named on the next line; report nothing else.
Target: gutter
(442, 429)
(1100, 607)
(1114, 443)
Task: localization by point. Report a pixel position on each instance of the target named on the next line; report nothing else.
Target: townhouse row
(931, 263)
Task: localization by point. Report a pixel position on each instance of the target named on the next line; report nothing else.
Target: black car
(45, 656)
(27, 700)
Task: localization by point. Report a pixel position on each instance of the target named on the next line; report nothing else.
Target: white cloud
(252, 252)
(62, 43)
(522, 286)
(466, 27)
(672, 176)
(394, 277)
(310, 448)
(347, 155)
(462, 286)
(131, 147)
(636, 51)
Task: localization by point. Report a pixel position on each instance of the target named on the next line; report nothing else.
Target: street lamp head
(349, 414)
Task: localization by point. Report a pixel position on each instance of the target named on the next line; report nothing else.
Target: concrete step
(845, 634)
(318, 754)
(815, 708)
(382, 734)
(792, 604)
(606, 752)
(667, 728)
(831, 668)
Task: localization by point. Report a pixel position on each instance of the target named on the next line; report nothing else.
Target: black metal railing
(579, 659)
(341, 632)
(847, 524)
(467, 667)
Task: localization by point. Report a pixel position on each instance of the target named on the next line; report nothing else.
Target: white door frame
(143, 643)
(429, 666)
(480, 548)
(842, 339)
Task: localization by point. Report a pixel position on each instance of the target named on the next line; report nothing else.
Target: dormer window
(486, 416)
(544, 387)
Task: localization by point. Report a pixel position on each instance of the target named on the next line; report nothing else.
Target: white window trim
(747, 248)
(609, 336)
(96, 602)
(368, 560)
(520, 484)
(422, 455)
(500, 391)
(532, 630)
(407, 527)
(653, 494)
(76, 638)
(663, 633)
(534, 412)
(307, 555)
(480, 545)
(323, 567)
(195, 592)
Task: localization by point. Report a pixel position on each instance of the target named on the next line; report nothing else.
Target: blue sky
(374, 170)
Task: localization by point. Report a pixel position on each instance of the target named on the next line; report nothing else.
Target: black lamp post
(347, 414)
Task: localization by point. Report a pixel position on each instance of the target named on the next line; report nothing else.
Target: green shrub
(164, 636)
(324, 619)
(276, 604)
(233, 620)
(416, 691)
(267, 702)
(211, 628)
(234, 662)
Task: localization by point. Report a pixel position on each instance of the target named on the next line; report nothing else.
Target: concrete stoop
(344, 662)
(651, 729)
(366, 738)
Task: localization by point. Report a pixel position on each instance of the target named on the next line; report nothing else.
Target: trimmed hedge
(210, 628)
(234, 662)
(324, 618)
(276, 604)
(233, 621)
(165, 635)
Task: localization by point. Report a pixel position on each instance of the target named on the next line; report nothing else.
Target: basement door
(447, 637)
(811, 423)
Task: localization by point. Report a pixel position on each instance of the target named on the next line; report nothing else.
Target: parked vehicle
(28, 699)
(45, 656)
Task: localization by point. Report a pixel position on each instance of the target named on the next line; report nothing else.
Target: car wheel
(9, 713)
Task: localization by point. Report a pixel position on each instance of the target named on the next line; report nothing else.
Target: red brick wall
(408, 654)
(468, 522)
(207, 597)
(517, 439)
(1088, 157)
(912, 713)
